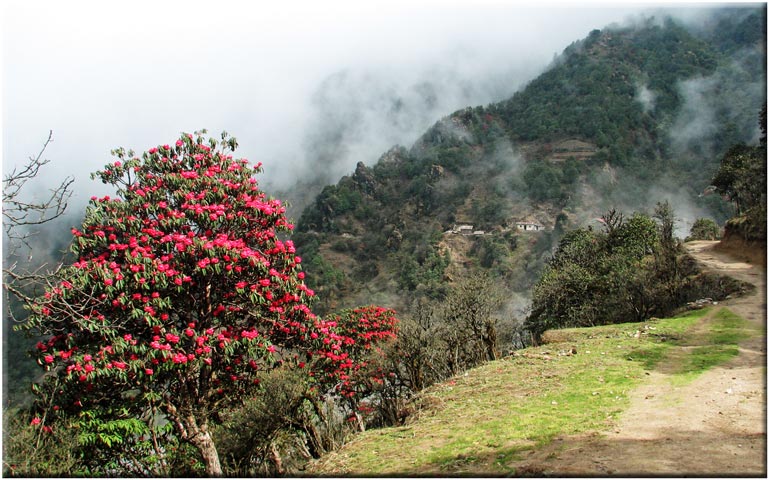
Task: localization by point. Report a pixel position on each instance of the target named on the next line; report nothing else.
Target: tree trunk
(359, 420)
(200, 437)
(315, 440)
(186, 425)
(490, 339)
(276, 460)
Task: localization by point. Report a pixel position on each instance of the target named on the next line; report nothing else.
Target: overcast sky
(103, 74)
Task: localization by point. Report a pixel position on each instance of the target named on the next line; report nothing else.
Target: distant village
(466, 229)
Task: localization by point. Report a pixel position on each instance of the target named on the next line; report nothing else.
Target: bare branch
(18, 213)
(612, 220)
(26, 286)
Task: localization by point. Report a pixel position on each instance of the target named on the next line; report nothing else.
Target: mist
(306, 88)
(356, 115)
(701, 114)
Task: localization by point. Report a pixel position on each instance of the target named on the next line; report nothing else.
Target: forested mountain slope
(624, 118)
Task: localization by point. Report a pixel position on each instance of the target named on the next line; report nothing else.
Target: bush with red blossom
(184, 290)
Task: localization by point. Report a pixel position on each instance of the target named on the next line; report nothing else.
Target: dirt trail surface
(712, 426)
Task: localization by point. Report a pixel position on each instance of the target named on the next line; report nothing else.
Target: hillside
(680, 396)
(624, 118)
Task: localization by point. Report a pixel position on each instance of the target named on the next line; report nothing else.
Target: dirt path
(713, 426)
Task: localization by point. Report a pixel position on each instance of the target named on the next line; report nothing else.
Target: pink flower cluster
(345, 342)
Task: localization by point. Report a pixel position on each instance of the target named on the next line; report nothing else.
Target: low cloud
(707, 116)
(357, 114)
(645, 97)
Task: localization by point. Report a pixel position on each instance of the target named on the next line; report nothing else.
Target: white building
(529, 226)
(462, 229)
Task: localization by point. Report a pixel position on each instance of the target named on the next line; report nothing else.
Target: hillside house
(466, 230)
(529, 226)
(462, 229)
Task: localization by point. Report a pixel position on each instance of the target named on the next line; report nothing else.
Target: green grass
(481, 423)
(664, 334)
(721, 344)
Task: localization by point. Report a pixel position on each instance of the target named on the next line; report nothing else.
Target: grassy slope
(478, 423)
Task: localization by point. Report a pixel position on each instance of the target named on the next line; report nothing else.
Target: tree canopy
(741, 178)
(616, 275)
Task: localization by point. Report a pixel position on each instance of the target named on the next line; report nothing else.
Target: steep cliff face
(618, 120)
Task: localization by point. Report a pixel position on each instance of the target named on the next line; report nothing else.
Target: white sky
(103, 74)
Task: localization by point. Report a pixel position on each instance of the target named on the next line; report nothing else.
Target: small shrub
(704, 229)
(35, 451)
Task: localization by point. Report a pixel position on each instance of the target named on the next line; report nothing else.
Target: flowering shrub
(349, 340)
(182, 293)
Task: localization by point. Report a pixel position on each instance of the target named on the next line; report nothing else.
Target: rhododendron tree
(350, 339)
(183, 291)
(354, 366)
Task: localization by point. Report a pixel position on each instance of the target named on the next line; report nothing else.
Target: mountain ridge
(595, 131)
